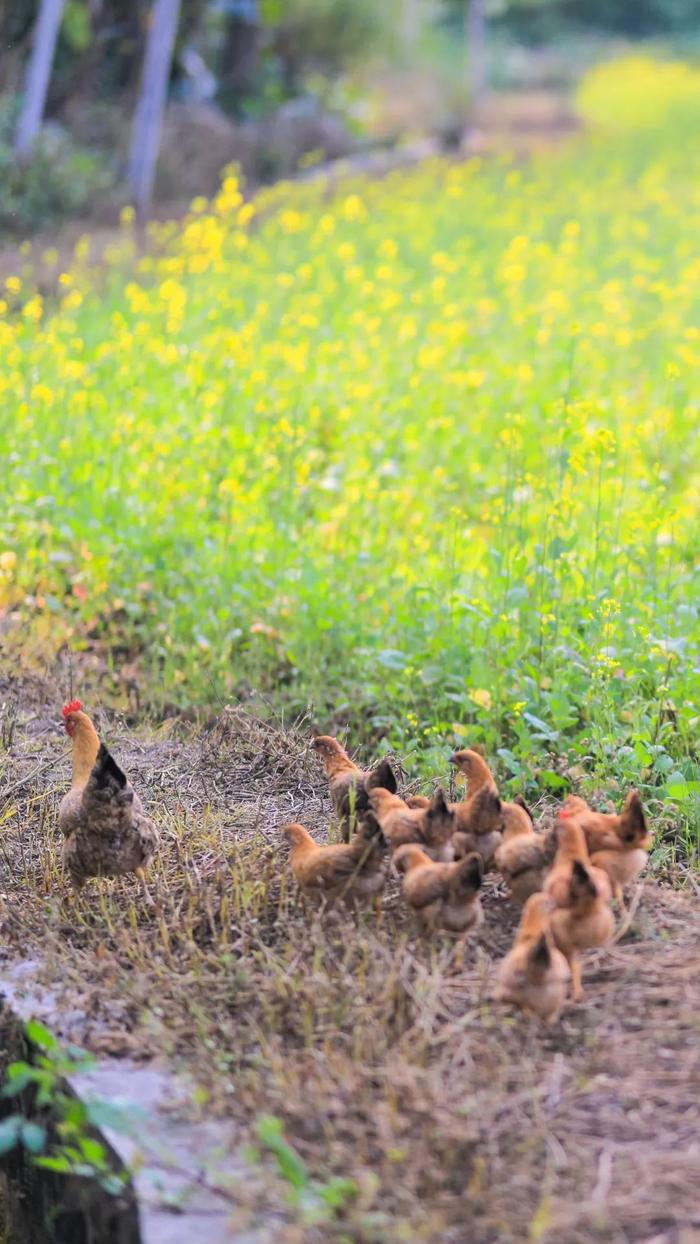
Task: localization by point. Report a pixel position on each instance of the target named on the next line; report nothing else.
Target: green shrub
(327, 34)
(60, 180)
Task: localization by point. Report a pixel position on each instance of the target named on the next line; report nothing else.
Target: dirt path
(455, 1119)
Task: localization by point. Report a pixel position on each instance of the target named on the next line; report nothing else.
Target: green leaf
(513, 763)
(93, 1151)
(269, 1129)
(17, 1077)
(10, 1129)
(291, 1167)
(33, 1137)
(40, 1035)
(59, 1163)
(113, 1184)
(392, 659)
(75, 1114)
(337, 1191)
(552, 780)
(120, 1118)
(540, 726)
(681, 789)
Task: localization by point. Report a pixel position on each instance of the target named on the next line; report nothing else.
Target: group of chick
(565, 877)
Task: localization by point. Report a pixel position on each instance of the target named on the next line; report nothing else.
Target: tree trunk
(239, 58)
(145, 139)
(38, 75)
(476, 48)
(240, 54)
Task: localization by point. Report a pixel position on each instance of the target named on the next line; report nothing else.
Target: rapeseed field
(421, 451)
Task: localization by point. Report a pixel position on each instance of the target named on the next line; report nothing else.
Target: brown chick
(106, 831)
(431, 827)
(534, 975)
(517, 818)
(478, 825)
(474, 769)
(442, 896)
(349, 785)
(480, 779)
(617, 844)
(599, 827)
(525, 856)
(417, 801)
(571, 849)
(349, 871)
(584, 921)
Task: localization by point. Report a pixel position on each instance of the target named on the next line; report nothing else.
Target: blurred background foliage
(279, 84)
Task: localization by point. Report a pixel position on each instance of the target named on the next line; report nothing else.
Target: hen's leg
(76, 887)
(141, 874)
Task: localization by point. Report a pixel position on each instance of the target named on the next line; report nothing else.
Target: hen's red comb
(74, 707)
(566, 814)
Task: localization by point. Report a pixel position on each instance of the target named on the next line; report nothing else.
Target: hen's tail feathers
(521, 804)
(539, 959)
(582, 884)
(383, 775)
(106, 773)
(469, 875)
(372, 830)
(108, 800)
(438, 805)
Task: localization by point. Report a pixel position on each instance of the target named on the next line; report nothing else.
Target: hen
(571, 850)
(478, 776)
(505, 817)
(617, 844)
(430, 825)
(474, 769)
(524, 856)
(347, 871)
(584, 921)
(107, 833)
(478, 825)
(534, 975)
(349, 785)
(442, 896)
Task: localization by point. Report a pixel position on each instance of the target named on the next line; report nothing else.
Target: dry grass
(455, 1118)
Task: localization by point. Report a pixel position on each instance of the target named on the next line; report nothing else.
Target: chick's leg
(459, 952)
(141, 874)
(576, 985)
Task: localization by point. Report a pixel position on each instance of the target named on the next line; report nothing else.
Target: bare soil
(457, 1119)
